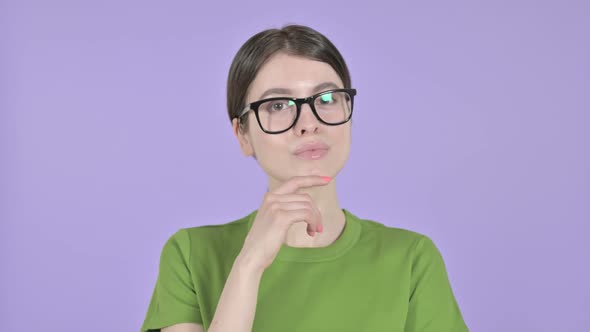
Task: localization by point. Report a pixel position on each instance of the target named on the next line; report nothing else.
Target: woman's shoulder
(381, 230)
(209, 236)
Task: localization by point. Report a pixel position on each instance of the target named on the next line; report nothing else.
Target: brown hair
(292, 39)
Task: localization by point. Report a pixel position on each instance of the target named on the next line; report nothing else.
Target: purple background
(470, 126)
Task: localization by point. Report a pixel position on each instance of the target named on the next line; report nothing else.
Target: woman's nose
(307, 121)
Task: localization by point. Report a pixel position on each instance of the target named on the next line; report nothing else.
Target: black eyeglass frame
(298, 102)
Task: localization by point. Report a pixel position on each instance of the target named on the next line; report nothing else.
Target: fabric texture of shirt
(371, 278)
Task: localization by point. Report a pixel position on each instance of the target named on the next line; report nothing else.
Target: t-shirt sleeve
(174, 299)
(432, 304)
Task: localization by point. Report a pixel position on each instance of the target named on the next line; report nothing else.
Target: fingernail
(320, 228)
(327, 178)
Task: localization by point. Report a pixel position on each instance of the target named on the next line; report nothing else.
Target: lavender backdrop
(471, 127)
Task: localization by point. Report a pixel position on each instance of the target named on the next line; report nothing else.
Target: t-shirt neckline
(348, 238)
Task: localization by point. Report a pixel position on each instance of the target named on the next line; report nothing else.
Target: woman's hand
(280, 209)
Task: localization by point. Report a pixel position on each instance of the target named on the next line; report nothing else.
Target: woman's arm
(432, 305)
(184, 327)
(237, 304)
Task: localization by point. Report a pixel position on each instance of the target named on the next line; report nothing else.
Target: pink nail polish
(320, 228)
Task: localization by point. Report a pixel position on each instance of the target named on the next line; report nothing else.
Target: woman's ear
(243, 139)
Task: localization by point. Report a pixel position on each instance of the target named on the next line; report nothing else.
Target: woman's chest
(346, 297)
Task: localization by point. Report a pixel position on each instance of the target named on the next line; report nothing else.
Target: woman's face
(300, 77)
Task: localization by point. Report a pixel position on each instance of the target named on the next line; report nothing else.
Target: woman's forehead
(293, 75)
(303, 92)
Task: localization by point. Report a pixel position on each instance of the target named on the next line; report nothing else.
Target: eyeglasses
(279, 114)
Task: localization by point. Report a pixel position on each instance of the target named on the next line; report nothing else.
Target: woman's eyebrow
(319, 87)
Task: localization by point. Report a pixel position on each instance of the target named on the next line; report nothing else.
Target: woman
(300, 262)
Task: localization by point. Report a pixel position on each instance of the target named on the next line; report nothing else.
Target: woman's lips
(314, 154)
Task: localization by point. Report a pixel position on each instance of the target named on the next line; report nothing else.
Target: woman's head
(294, 62)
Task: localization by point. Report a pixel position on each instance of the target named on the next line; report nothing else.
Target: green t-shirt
(372, 278)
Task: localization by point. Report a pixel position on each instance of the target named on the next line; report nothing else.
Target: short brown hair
(292, 39)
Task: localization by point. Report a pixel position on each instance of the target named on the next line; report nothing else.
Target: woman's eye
(280, 105)
(328, 98)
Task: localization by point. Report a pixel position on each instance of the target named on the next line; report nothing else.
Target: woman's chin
(312, 170)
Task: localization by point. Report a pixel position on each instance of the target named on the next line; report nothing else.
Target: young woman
(300, 262)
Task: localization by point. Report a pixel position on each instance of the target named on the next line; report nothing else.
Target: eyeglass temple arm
(244, 111)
